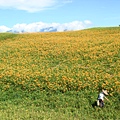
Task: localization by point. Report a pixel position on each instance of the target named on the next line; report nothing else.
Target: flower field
(65, 61)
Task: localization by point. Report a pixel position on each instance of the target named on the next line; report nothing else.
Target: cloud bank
(32, 5)
(47, 27)
(4, 29)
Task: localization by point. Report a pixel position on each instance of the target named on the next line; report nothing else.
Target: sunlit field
(58, 75)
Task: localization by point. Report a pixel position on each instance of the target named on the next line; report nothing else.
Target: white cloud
(4, 29)
(47, 27)
(32, 5)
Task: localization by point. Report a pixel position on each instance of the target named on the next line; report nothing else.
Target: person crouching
(100, 99)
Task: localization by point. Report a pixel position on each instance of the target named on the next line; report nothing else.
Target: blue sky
(71, 14)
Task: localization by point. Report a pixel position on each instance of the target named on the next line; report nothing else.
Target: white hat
(105, 92)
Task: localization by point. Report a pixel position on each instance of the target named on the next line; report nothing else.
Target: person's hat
(105, 92)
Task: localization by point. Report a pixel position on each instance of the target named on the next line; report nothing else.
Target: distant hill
(54, 29)
(47, 29)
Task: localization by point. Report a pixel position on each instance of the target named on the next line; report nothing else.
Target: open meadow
(58, 75)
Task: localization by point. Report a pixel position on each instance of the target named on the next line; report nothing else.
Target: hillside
(61, 63)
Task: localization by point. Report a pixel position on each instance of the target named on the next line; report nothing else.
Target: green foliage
(5, 36)
(55, 105)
